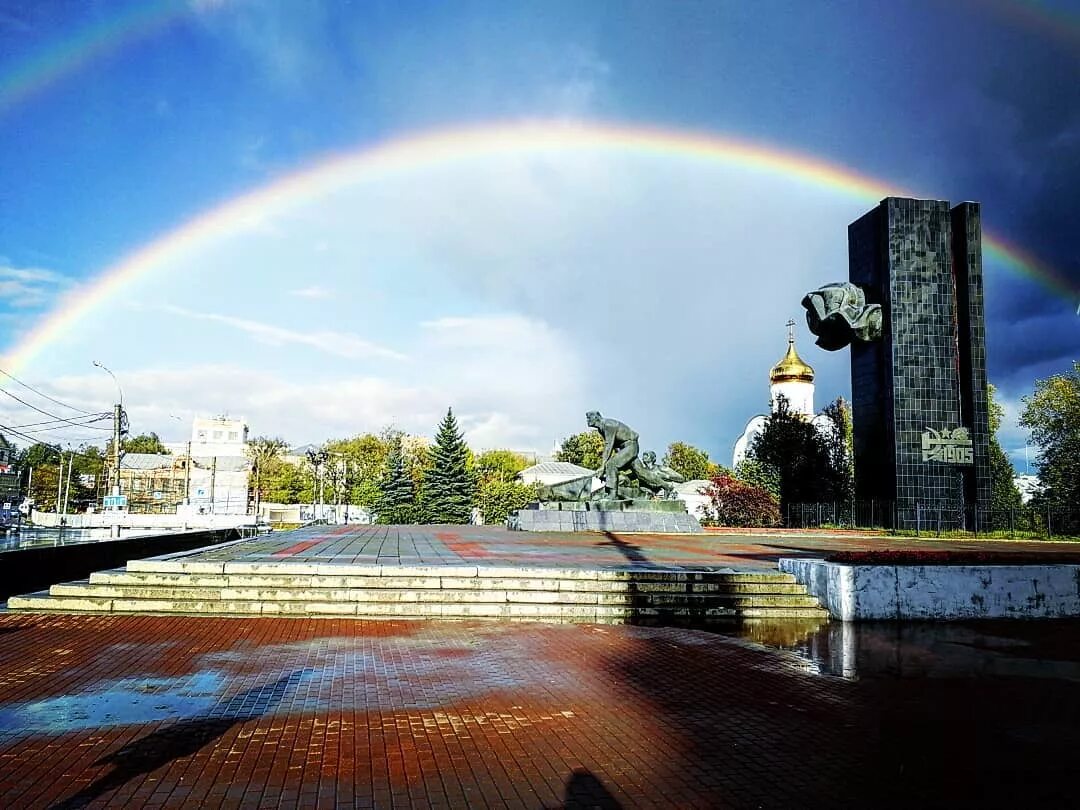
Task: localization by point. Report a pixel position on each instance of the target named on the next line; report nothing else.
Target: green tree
(1052, 414)
(689, 462)
(44, 460)
(397, 499)
(1003, 492)
(283, 482)
(584, 449)
(265, 455)
(500, 465)
(449, 486)
(366, 458)
(143, 443)
(757, 474)
(796, 450)
(839, 444)
(497, 497)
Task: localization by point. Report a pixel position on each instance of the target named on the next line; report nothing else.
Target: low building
(156, 483)
(692, 494)
(552, 472)
(214, 436)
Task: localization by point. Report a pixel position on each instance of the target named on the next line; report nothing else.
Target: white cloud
(313, 292)
(339, 344)
(27, 287)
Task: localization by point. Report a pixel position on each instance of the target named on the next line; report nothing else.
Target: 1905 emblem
(948, 446)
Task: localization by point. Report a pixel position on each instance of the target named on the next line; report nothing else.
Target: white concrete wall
(937, 592)
(129, 520)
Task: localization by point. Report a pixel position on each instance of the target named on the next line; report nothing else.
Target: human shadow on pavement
(585, 792)
(181, 739)
(631, 551)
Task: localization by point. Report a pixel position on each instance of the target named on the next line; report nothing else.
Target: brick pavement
(109, 711)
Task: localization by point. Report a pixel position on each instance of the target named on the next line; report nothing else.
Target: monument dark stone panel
(919, 399)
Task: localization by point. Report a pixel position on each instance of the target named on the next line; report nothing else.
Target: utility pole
(213, 484)
(67, 487)
(118, 411)
(59, 482)
(187, 477)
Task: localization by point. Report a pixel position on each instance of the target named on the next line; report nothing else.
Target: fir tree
(449, 487)
(397, 501)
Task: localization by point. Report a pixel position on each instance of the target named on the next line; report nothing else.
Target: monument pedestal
(646, 516)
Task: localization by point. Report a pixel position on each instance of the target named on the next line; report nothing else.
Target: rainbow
(372, 163)
(138, 21)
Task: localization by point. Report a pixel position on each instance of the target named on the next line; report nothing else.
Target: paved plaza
(181, 711)
(493, 546)
(107, 711)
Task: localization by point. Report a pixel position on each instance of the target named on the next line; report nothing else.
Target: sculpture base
(646, 516)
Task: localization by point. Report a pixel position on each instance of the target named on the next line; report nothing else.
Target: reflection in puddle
(988, 649)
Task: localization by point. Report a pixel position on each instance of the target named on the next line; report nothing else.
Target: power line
(87, 423)
(57, 447)
(53, 416)
(39, 393)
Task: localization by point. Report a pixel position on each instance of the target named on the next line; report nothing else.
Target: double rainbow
(411, 154)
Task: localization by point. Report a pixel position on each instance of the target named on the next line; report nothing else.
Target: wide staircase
(179, 586)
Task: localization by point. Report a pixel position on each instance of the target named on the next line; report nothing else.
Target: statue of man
(620, 450)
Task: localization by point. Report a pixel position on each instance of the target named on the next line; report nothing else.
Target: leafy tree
(735, 503)
(757, 474)
(500, 465)
(397, 501)
(265, 455)
(449, 486)
(366, 458)
(688, 461)
(143, 443)
(283, 482)
(1003, 492)
(796, 450)
(584, 449)
(44, 460)
(1052, 414)
(839, 443)
(497, 497)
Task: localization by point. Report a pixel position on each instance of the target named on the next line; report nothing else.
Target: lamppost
(317, 458)
(118, 417)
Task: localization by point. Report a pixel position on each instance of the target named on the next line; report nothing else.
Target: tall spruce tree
(397, 501)
(449, 487)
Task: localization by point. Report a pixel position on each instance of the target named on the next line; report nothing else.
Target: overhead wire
(39, 410)
(42, 394)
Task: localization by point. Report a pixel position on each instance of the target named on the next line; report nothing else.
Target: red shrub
(735, 503)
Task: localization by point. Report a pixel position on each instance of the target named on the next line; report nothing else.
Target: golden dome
(791, 368)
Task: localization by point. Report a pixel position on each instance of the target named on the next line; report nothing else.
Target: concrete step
(290, 569)
(546, 612)
(202, 594)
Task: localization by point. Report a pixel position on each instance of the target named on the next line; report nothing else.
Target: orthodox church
(793, 379)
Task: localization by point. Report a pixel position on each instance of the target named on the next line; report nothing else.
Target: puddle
(986, 649)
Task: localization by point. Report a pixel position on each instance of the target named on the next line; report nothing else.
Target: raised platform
(942, 592)
(323, 573)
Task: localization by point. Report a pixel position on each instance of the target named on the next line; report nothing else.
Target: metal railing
(936, 519)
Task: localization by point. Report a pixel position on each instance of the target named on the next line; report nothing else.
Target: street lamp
(108, 371)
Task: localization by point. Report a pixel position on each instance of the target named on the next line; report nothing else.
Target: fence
(936, 519)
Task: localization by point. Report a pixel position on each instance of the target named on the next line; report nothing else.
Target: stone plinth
(651, 516)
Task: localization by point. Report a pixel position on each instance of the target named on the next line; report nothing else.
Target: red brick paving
(109, 711)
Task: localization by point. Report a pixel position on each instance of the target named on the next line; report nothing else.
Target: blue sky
(520, 291)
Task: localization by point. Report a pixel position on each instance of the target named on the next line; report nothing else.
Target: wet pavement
(110, 711)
